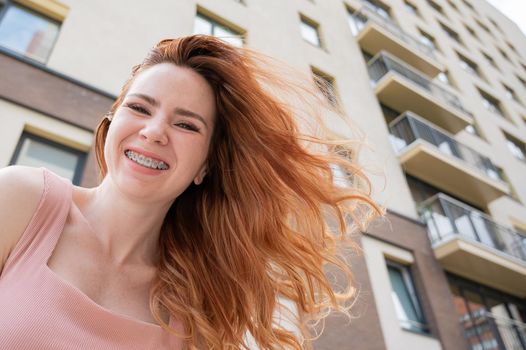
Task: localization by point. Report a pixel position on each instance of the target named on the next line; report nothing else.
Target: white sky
(513, 9)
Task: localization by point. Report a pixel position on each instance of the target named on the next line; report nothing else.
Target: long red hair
(268, 217)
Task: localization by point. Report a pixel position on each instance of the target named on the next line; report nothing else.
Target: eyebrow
(179, 111)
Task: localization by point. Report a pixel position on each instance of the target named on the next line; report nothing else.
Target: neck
(127, 229)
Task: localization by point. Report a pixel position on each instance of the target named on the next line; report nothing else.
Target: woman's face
(158, 140)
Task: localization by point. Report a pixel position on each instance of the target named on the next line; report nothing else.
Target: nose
(154, 131)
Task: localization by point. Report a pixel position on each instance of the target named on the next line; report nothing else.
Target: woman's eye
(187, 126)
(138, 108)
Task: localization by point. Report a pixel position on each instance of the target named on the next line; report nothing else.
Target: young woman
(213, 208)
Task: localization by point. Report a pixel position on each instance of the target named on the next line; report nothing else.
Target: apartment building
(438, 86)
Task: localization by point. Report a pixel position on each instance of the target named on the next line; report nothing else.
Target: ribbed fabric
(40, 310)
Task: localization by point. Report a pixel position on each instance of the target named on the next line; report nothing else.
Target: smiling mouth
(145, 161)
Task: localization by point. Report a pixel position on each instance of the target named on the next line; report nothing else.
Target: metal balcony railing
(406, 128)
(366, 14)
(487, 331)
(383, 63)
(447, 218)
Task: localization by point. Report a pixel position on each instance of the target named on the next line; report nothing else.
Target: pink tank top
(40, 310)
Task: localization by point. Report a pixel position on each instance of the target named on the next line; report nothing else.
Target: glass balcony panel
(409, 128)
(446, 216)
(485, 230)
(382, 18)
(382, 64)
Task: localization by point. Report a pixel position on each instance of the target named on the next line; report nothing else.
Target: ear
(200, 175)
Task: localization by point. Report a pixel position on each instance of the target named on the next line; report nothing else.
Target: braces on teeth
(146, 161)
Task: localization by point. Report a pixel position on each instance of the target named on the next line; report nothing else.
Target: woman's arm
(20, 191)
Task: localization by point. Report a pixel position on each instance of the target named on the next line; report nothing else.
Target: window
(427, 39)
(522, 81)
(436, 6)
(496, 25)
(468, 5)
(473, 130)
(512, 48)
(451, 33)
(309, 31)
(468, 65)
(378, 7)
(411, 8)
(510, 93)
(342, 175)
(443, 77)
(516, 147)
(522, 243)
(206, 25)
(490, 60)
(405, 299)
(27, 32)
(356, 20)
(36, 151)
(503, 54)
(491, 103)
(483, 26)
(326, 85)
(452, 4)
(523, 66)
(471, 31)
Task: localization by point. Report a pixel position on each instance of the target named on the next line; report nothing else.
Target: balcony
(375, 33)
(405, 89)
(488, 331)
(469, 243)
(436, 158)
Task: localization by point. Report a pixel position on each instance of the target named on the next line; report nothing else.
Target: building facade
(438, 86)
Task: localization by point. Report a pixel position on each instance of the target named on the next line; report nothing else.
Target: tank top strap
(47, 223)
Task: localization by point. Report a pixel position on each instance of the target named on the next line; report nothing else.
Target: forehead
(176, 87)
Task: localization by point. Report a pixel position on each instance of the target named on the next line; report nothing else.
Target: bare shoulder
(20, 192)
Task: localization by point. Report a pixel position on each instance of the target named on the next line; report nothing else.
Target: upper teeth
(146, 161)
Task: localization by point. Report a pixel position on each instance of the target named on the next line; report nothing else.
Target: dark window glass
(451, 33)
(405, 298)
(36, 151)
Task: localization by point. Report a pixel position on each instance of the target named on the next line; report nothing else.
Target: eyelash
(137, 108)
(140, 109)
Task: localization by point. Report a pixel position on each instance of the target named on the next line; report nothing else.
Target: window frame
(491, 61)
(3, 11)
(421, 326)
(380, 8)
(438, 8)
(429, 39)
(215, 23)
(511, 94)
(304, 20)
(515, 146)
(452, 34)
(469, 66)
(329, 88)
(82, 156)
(412, 8)
(492, 101)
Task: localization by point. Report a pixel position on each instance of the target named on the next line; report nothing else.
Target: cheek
(111, 146)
